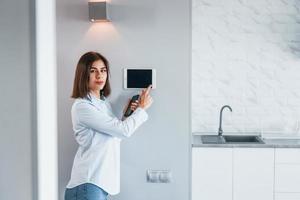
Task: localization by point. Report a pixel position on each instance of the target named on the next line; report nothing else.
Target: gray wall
(17, 99)
(142, 34)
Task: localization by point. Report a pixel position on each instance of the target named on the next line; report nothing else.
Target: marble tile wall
(246, 54)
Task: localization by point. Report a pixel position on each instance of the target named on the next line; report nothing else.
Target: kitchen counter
(269, 143)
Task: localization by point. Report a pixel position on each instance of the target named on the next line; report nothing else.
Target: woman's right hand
(145, 100)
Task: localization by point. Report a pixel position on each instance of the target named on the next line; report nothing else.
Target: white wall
(17, 104)
(142, 34)
(246, 54)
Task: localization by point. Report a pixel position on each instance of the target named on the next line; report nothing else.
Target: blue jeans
(86, 191)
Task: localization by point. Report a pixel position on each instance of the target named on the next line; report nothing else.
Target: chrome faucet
(220, 123)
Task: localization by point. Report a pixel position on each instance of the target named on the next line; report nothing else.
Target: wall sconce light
(98, 11)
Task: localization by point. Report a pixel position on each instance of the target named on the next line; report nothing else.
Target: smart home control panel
(139, 78)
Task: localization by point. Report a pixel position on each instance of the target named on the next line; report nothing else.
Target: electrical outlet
(158, 176)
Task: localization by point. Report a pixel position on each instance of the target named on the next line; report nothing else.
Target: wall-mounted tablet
(139, 78)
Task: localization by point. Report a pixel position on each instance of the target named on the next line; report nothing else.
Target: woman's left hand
(134, 105)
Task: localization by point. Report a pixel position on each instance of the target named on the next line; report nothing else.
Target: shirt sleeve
(89, 116)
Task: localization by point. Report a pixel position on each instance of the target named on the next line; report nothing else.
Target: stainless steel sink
(242, 139)
(212, 139)
(231, 139)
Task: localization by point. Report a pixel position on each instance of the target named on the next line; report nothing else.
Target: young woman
(96, 167)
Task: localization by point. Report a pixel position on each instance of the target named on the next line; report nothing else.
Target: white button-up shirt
(99, 132)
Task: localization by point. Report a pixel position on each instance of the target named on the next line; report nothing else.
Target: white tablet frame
(153, 77)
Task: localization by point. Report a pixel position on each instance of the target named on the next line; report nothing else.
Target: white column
(46, 99)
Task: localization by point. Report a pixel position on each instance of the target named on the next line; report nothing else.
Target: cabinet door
(212, 173)
(287, 178)
(287, 170)
(253, 173)
(287, 156)
(287, 196)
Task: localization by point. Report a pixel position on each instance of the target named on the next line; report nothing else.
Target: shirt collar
(93, 98)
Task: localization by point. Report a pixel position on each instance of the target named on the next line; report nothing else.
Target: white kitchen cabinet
(287, 174)
(212, 173)
(287, 178)
(232, 173)
(245, 173)
(287, 156)
(253, 173)
(287, 196)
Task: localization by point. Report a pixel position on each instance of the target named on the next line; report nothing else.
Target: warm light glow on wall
(97, 1)
(106, 31)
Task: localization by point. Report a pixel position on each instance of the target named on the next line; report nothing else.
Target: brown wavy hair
(82, 75)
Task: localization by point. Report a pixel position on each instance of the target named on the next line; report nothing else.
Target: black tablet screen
(139, 78)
